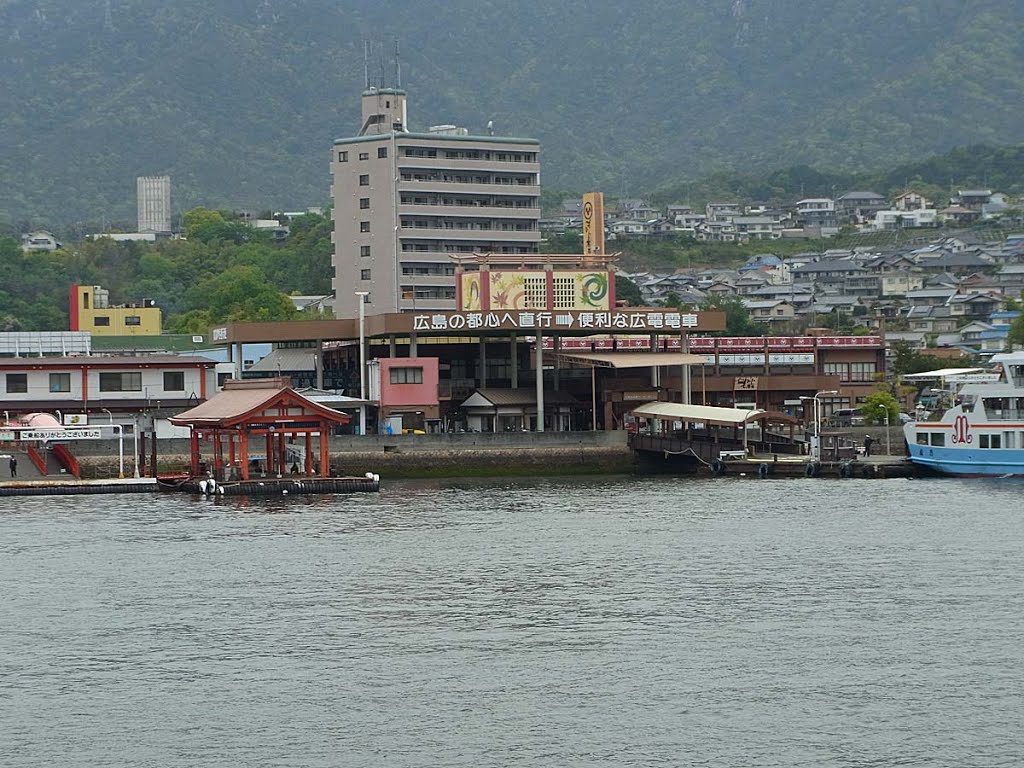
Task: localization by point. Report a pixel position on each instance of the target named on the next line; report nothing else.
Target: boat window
(983, 441)
(922, 438)
(1009, 439)
(938, 438)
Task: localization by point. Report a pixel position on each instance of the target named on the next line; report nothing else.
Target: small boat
(980, 431)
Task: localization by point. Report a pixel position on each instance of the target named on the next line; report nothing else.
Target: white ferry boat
(981, 433)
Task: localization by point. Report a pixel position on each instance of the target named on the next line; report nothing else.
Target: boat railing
(1004, 414)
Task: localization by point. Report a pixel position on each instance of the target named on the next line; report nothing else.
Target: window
(174, 381)
(406, 375)
(364, 226)
(121, 382)
(364, 180)
(536, 290)
(364, 155)
(382, 151)
(101, 321)
(364, 203)
(364, 250)
(922, 438)
(364, 274)
(990, 441)
(133, 320)
(60, 382)
(17, 383)
(938, 438)
(343, 157)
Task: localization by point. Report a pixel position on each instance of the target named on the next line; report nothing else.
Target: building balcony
(481, 235)
(468, 164)
(426, 305)
(476, 211)
(468, 188)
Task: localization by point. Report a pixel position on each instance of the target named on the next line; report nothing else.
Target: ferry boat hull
(959, 462)
(981, 434)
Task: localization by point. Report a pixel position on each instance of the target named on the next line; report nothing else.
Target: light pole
(362, 356)
(110, 416)
(135, 434)
(888, 446)
(817, 419)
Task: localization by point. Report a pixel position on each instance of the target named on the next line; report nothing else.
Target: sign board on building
(76, 419)
(593, 223)
(745, 384)
(7, 436)
(61, 434)
(640, 396)
(641, 320)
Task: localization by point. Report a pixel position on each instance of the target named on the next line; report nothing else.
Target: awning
(631, 359)
(702, 413)
(942, 373)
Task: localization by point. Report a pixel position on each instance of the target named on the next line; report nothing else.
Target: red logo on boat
(962, 431)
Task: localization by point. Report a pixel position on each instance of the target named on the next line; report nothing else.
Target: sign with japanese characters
(60, 434)
(620, 321)
(745, 383)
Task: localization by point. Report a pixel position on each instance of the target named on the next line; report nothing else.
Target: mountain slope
(239, 101)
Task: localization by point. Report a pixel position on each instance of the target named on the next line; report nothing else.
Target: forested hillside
(239, 101)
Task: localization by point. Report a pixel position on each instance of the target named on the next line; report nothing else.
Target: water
(611, 622)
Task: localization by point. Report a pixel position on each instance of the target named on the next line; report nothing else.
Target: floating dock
(865, 468)
(274, 486)
(71, 487)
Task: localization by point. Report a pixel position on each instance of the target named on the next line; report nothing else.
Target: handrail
(37, 459)
(67, 460)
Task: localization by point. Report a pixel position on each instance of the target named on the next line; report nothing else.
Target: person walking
(13, 464)
(868, 442)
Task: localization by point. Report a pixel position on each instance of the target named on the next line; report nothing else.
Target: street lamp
(110, 416)
(362, 356)
(816, 452)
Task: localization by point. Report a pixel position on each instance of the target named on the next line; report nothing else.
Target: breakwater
(442, 455)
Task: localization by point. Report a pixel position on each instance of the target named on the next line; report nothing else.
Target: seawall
(443, 455)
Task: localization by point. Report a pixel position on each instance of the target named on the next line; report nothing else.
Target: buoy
(718, 467)
(284, 492)
(845, 469)
(369, 475)
(202, 487)
(811, 469)
(376, 478)
(763, 470)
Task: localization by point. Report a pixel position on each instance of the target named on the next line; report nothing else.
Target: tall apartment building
(153, 195)
(405, 203)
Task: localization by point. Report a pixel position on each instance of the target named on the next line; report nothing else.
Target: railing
(67, 460)
(37, 459)
(1005, 414)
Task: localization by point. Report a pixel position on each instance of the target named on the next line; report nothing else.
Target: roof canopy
(702, 413)
(524, 397)
(632, 359)
(942, 373)
(256, 401)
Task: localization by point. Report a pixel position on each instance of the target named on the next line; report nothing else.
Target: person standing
(868, 442)
(13, 464)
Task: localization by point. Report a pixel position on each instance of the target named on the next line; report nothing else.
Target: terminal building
(405, 203)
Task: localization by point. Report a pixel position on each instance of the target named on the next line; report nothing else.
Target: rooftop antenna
(398, 66)
(366, 63)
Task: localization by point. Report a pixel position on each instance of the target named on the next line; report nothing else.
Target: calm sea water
(612, 622)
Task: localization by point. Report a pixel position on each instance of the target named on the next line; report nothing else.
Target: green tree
(626, 290)
(906, 360)
(239, 294)
(1016, 333)
(737, 318)
(877, 405)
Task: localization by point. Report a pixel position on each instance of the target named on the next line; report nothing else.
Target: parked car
(846, 417)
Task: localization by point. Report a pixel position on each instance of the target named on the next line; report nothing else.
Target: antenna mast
(366, 63)
(398, 67)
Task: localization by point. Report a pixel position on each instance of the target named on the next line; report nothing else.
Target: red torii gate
(259, 408)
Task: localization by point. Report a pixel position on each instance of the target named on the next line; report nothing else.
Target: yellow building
(91, 311)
